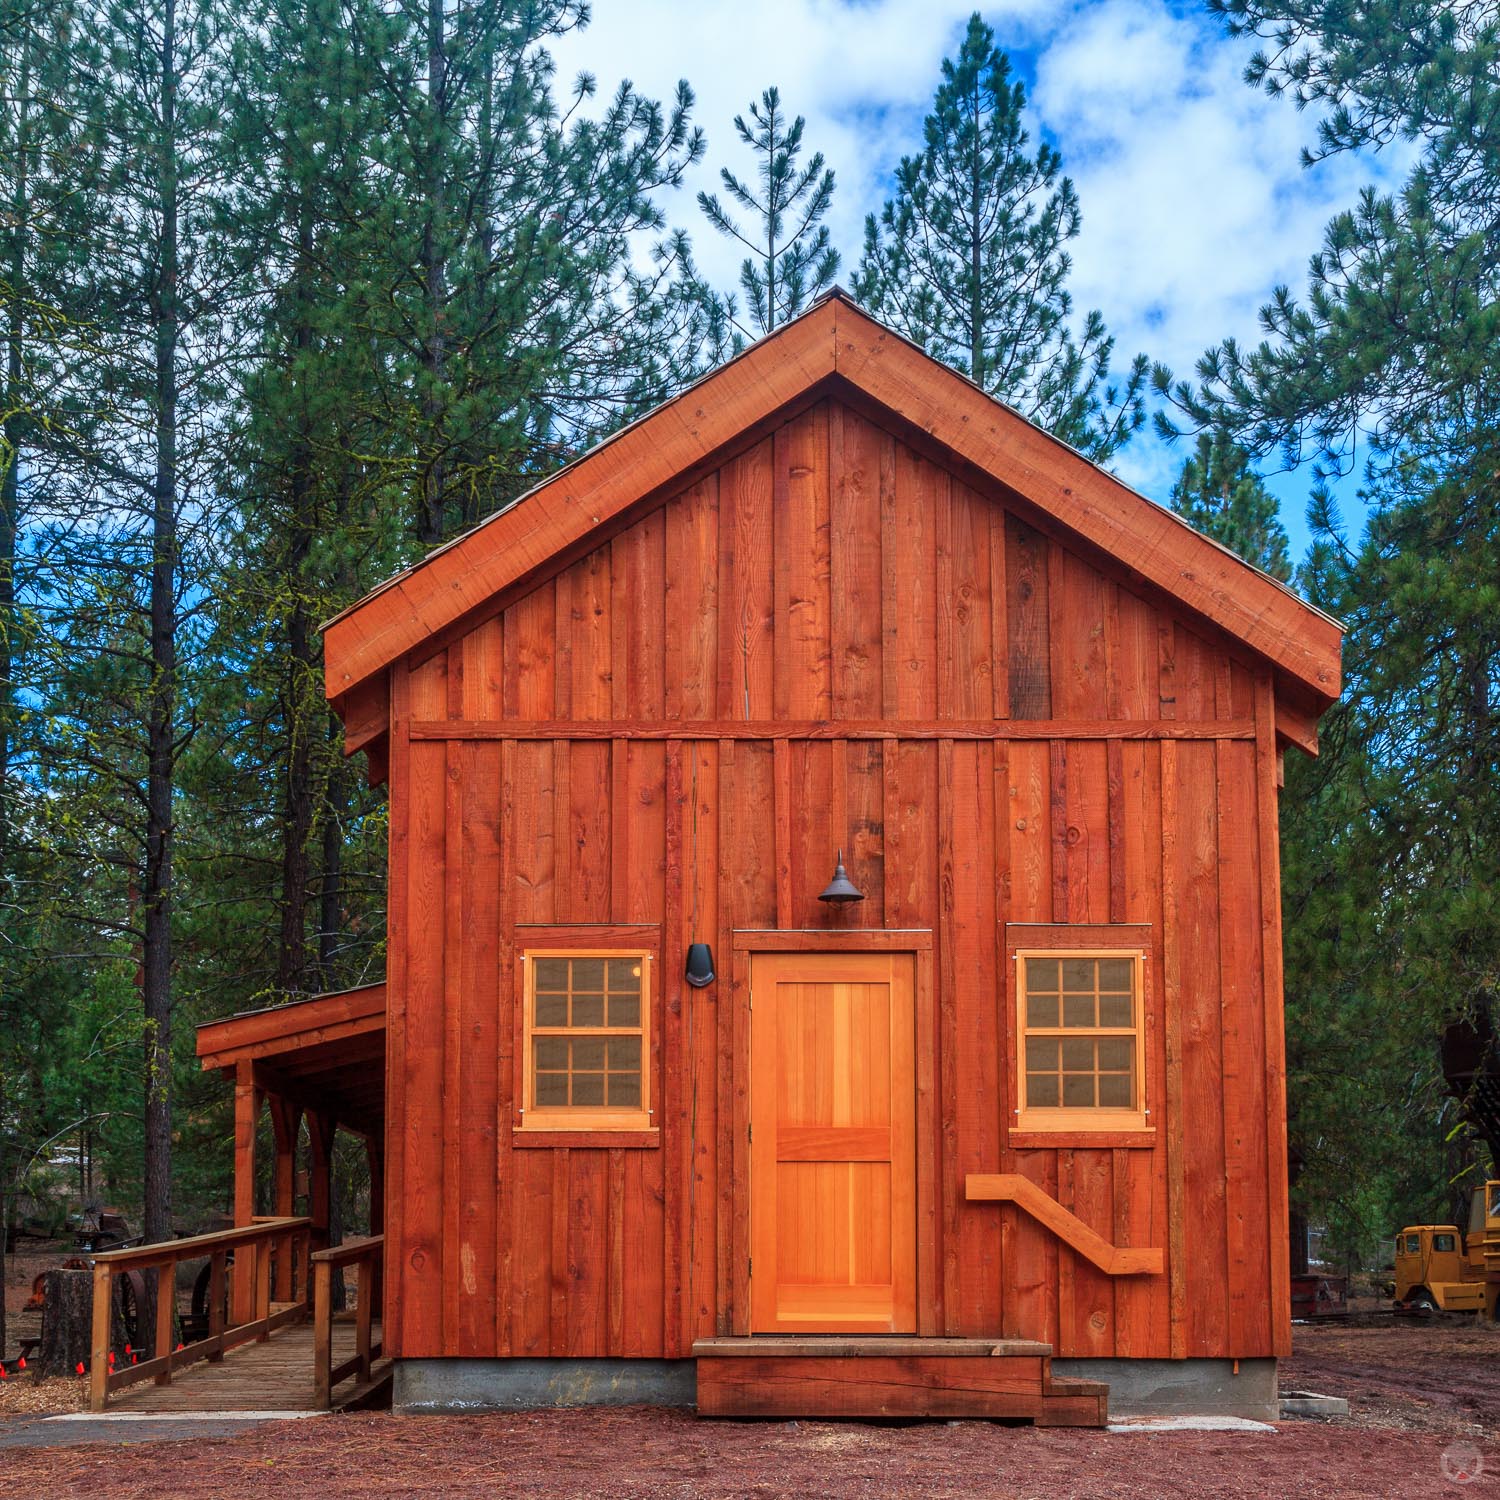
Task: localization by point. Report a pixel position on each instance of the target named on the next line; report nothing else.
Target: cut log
(67, 1322)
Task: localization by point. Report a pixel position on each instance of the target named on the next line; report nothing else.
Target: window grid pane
(587, 1032)
(1080, 1042)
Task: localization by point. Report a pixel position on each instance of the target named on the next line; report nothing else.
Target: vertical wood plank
(1202, 1048)
(1027, 611)
(692, 603)
(480, 956)
(856, 463)
(506, 1021)
(453, 938)
(397, 927)
(908, 587)
(1242, 1026)
(803, 648)
(1172, 1012)
(424, 1061)
(530, 636)
(975, 1033)
(746, 634)
(781, 753)
(948, 1094)
(1268, 834)
(999, 615)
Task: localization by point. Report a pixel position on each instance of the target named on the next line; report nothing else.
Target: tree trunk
(331, 912)
(156, 947)
(435, 275)
(10, 495)
(297, 811)
(68, 1324)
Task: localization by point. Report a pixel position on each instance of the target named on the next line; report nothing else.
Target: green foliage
(1392, 860)
(969, 259)
(791, 257)
(1221, 494)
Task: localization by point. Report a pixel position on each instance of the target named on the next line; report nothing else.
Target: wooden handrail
(195, 1246)
(257, 1242)
(365, 1255)
(349, 1252)
(1113, 1260)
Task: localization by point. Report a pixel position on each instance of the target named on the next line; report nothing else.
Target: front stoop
(833, 1376)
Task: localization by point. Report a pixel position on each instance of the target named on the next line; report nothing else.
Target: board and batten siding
(832, 640)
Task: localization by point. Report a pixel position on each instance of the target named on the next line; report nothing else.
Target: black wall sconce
(700, 965)
(840, 891)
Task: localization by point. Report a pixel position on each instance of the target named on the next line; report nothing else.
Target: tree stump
(68, 1323)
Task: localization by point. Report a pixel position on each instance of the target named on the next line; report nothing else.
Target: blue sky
(1194, 203)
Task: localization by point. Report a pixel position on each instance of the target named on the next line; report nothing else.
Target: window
(1444, 1243)
(1414, 1244)
(587, 1051)
(1082, 1057)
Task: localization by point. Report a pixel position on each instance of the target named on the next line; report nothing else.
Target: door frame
(917, 942)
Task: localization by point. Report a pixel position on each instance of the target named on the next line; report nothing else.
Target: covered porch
(318, 1063)
(264, 1331)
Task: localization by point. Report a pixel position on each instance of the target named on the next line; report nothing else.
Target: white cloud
(1194, 203)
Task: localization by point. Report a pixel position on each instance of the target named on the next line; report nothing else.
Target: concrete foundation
(1181, 1387)
(456, 1385)
(1137, 1387)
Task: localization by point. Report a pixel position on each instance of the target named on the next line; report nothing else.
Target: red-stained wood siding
(830, 641)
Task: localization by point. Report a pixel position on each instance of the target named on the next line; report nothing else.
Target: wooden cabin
(1023, 1098)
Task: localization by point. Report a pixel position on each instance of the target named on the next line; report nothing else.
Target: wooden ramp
(274, 1375)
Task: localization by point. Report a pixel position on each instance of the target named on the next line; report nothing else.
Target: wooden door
(832, 1143)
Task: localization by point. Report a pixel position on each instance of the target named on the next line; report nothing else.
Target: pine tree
(791, 257)
(132, 513)
(1392, 865)
(969, 259)
(517, 320)
(315, 524)
(45, 167)
(1221, 494)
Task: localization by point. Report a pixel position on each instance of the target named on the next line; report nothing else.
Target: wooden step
(863, 1346)
(892, 1378)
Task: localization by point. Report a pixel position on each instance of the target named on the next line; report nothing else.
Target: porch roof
(326, 1052)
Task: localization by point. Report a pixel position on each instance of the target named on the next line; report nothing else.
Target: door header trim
(836, 940)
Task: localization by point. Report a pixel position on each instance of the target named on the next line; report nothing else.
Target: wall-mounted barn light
(841, 890)
(700, 965)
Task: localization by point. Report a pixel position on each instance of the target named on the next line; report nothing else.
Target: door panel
(832, 1148)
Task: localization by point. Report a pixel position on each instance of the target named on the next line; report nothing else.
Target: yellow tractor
(1440, 1269)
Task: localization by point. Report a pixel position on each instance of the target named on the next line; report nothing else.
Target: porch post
(285, 1117)
(320, 1128)
(375, 1278)
(247, 1101)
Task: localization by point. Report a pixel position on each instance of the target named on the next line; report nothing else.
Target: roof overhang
(326, 1053)
(833, 347)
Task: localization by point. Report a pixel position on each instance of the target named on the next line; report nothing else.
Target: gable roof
(835, 344)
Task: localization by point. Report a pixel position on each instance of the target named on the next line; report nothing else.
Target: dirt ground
(1426, 1405)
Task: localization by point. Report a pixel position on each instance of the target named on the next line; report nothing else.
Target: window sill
(592, 1139)
(1081, 1138)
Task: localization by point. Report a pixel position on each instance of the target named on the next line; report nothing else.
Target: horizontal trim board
(585, 1140)
(1083, 1140)
(833, 939)
(813, 729)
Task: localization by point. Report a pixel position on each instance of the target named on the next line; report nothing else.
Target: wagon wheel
(201, 1284)
(130, 1293)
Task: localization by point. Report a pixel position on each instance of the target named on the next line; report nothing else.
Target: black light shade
(700, 965)
(841, 890)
